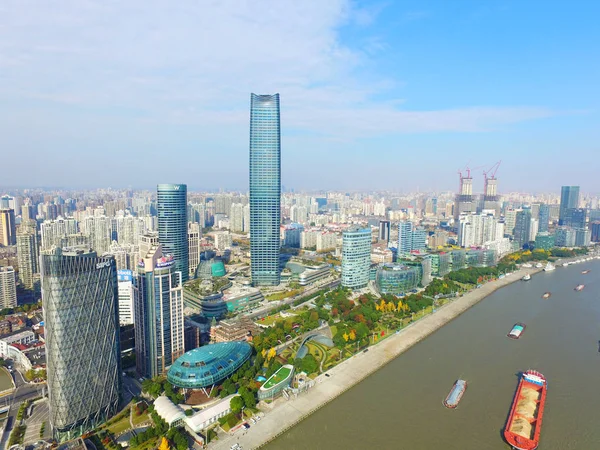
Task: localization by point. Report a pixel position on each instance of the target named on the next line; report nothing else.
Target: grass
(269, 320)
(277, 377)
(120, 426)
(5, 380)
(148, 445)
(282, 295)
(139, 419)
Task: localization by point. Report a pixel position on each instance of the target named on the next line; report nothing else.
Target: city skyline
(369, 89)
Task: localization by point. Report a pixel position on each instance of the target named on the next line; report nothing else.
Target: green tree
(236, 404)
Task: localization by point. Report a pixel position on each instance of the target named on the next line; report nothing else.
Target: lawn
(5, 380)
(277, 377)
(120, 426)
(148, 445)
(269, 320)
(139, 419)
(282, 295)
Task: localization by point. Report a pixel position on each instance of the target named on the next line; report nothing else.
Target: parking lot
(39, 415)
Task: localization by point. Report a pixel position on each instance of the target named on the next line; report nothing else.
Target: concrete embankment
(286, 414)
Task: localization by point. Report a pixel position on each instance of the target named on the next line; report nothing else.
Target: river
(400, 406)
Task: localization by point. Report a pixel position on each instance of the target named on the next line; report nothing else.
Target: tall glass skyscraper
(569, 199)
(172, 224)
(265, 189)
(356, 257)
(81, 313)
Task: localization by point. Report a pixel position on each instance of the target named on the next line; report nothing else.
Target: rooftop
(278, 377)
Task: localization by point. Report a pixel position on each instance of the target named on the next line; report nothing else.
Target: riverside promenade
(287, 413)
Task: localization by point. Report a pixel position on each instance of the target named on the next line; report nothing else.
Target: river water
(400, 406)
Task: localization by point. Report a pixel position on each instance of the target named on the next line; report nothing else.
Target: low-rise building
(20, 337)
(240, 329)
(208, 416)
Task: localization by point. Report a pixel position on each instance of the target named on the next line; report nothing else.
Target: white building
(8, 287)
(99, 229)
(298, 214)
(246, 219)
(223, 240)
(236, 217)
(22, 337)
(125, 287)
(205, 418)
(54, 230)
(326, 241)
(475, 229)
(308, 239)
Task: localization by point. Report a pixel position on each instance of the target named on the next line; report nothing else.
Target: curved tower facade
(265, 189)
(80, 301)
(172, 224)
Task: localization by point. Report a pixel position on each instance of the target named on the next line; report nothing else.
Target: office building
(80, 299)
(405, 230)
(158, 310)
(125, 290)
(595, 229)
(544, 241)
(8, 287)
(194, 235)
(543, 218)
(569, 199)
(265, 189)
(356, 257)
(172, 225)
(384, 230)
(565, 237)
(522, 231)
(8, 233)
(27, 253)
(575, 218)
(582, 237)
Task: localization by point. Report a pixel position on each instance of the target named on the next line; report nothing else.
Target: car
(327, 375)
(365, 351)
(246, 426)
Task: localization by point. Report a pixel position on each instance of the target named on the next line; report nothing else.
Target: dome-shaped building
(208, 365)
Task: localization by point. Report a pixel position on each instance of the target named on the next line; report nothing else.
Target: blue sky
(374, 95)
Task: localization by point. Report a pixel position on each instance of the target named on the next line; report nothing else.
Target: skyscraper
(8, 287)
(194, 234)
(265, 189)
(569, 199)
(27, 253)
(405, 231)
(7, 227)
(523, 227)
(544, 218)
(80, 300)
(172, 224)
(356, 257)
(158, 310)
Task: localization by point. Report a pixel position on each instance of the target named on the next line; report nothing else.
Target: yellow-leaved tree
(345, 336)
(164, 444)
(352, 335)
(272, 353)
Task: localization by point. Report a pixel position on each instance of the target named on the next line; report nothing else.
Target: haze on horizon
(374, 95)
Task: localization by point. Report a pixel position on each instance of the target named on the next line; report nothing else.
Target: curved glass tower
(356, 257)
(265, 189)
(172, 224)
(81, 313)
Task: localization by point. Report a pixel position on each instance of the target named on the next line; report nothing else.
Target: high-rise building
(99, 230)
(54, 231)
(356, 257)
(384, 230)
(576, 218)
(236, 217)
(223, 240)
(125, 287)
(569, 199)
(8, 287)
(582, 237)
(27, 253)
(80, 300)
(172, 225)
(595, 236)
(544, 218)
(565, 237)
(405, 230)
(8, 233)
(464, 199)
(158, 310)
(194, 234)
(265, 189)
(522, 231)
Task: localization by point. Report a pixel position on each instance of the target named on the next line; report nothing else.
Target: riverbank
(287, 413)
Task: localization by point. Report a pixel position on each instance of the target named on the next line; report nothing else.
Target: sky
(375, 95)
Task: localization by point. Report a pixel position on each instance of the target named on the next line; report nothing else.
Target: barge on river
(456, 393)
(524, 423)
(516, 331)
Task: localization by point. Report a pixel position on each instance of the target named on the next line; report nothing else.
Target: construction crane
(468, 171)
(492, 170)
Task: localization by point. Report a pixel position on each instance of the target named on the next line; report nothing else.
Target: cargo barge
(524, 423)
(517, 331)
(546, 295)
(580, 287)
(456, 393)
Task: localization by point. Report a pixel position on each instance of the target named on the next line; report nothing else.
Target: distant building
(158, 310)
(438, 239)
(27, 253)
(326, 241)
(595, 229)
(565, 237)
(53, 232)
(576, 218)
(194, 235)
(398, 278)
(544, 241)
(384, 230)
(522, 230)
(308, 239)
(223, 240)
(543, 218)
(405, 230)
(356, 257)
(172, 224)
(292, 234)
(8, 287)
(239, 329)
(582, 237)
(8, 232)
(79, 292)
(569, 199)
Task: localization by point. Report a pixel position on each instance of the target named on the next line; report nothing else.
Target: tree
(164, 444)
(272, 353)
(352, 335)
(236, 404)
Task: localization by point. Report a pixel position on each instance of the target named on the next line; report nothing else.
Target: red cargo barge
(524, 423)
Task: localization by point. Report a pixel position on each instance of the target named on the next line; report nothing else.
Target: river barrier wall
(285, 414)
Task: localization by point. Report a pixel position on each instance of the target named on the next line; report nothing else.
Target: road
(264, 311)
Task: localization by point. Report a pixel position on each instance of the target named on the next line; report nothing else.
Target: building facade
(27, 253)
(8, 287)
(356, 257)
(265, 189)
(194, 235)
(569, 199)
(7, 227)
(158, 310)
(79, 292)
(172, 224)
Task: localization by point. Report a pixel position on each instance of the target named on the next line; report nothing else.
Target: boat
(527, 277)
(546, 295)
(524, 423)
(580, 287)
(549, 267)
(539, 265)
(455, 394)
(566, 264)
(585, 272)
(517, 330)
(526, 265)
